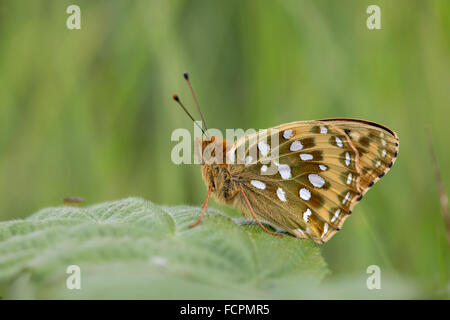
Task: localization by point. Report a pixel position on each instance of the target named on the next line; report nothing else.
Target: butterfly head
(215, 171)
(211, 150)
(212, 154)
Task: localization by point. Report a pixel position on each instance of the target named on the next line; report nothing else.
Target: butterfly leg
(204, 206)
(256, 218)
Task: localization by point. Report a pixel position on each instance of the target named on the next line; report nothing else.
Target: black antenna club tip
(175, 97)
(186, 76)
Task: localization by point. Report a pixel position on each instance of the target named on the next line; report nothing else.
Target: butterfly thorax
(217, 174)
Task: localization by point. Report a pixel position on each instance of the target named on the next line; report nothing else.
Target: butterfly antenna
(177, 99)
(186, 77)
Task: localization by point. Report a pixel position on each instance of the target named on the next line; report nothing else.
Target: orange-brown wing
(377, 148)
(308, 182)
(315, 181)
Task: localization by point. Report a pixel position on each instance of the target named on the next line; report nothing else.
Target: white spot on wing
(300, 231)
(336, 215)
(296, 146)
(285, 171)
(305, 194)
(306, 215)
(264, 148)
(377, 164)
(349, 178)
(316, 180)
(383, 153)
(339, 142)
(383, 142)
(347, 159)
(288, 134)
(325, 230)
(258, 184)
(323, 167)
(346, 197)
(323, 129)
(281, 194)
(306, 156)
(248, 160)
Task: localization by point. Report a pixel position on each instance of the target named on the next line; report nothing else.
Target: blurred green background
(89, 112)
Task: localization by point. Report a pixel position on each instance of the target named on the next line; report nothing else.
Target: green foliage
(133, 248)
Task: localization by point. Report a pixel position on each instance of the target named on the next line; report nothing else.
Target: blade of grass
(442, 194)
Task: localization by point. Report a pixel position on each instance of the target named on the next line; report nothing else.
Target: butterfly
(307, 182)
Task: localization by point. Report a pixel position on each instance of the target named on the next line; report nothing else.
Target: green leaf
(132, 248)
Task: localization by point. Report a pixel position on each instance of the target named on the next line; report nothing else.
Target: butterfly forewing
(308, 182)
(377, 148)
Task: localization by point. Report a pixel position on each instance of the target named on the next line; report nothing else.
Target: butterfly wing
(308, 183)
